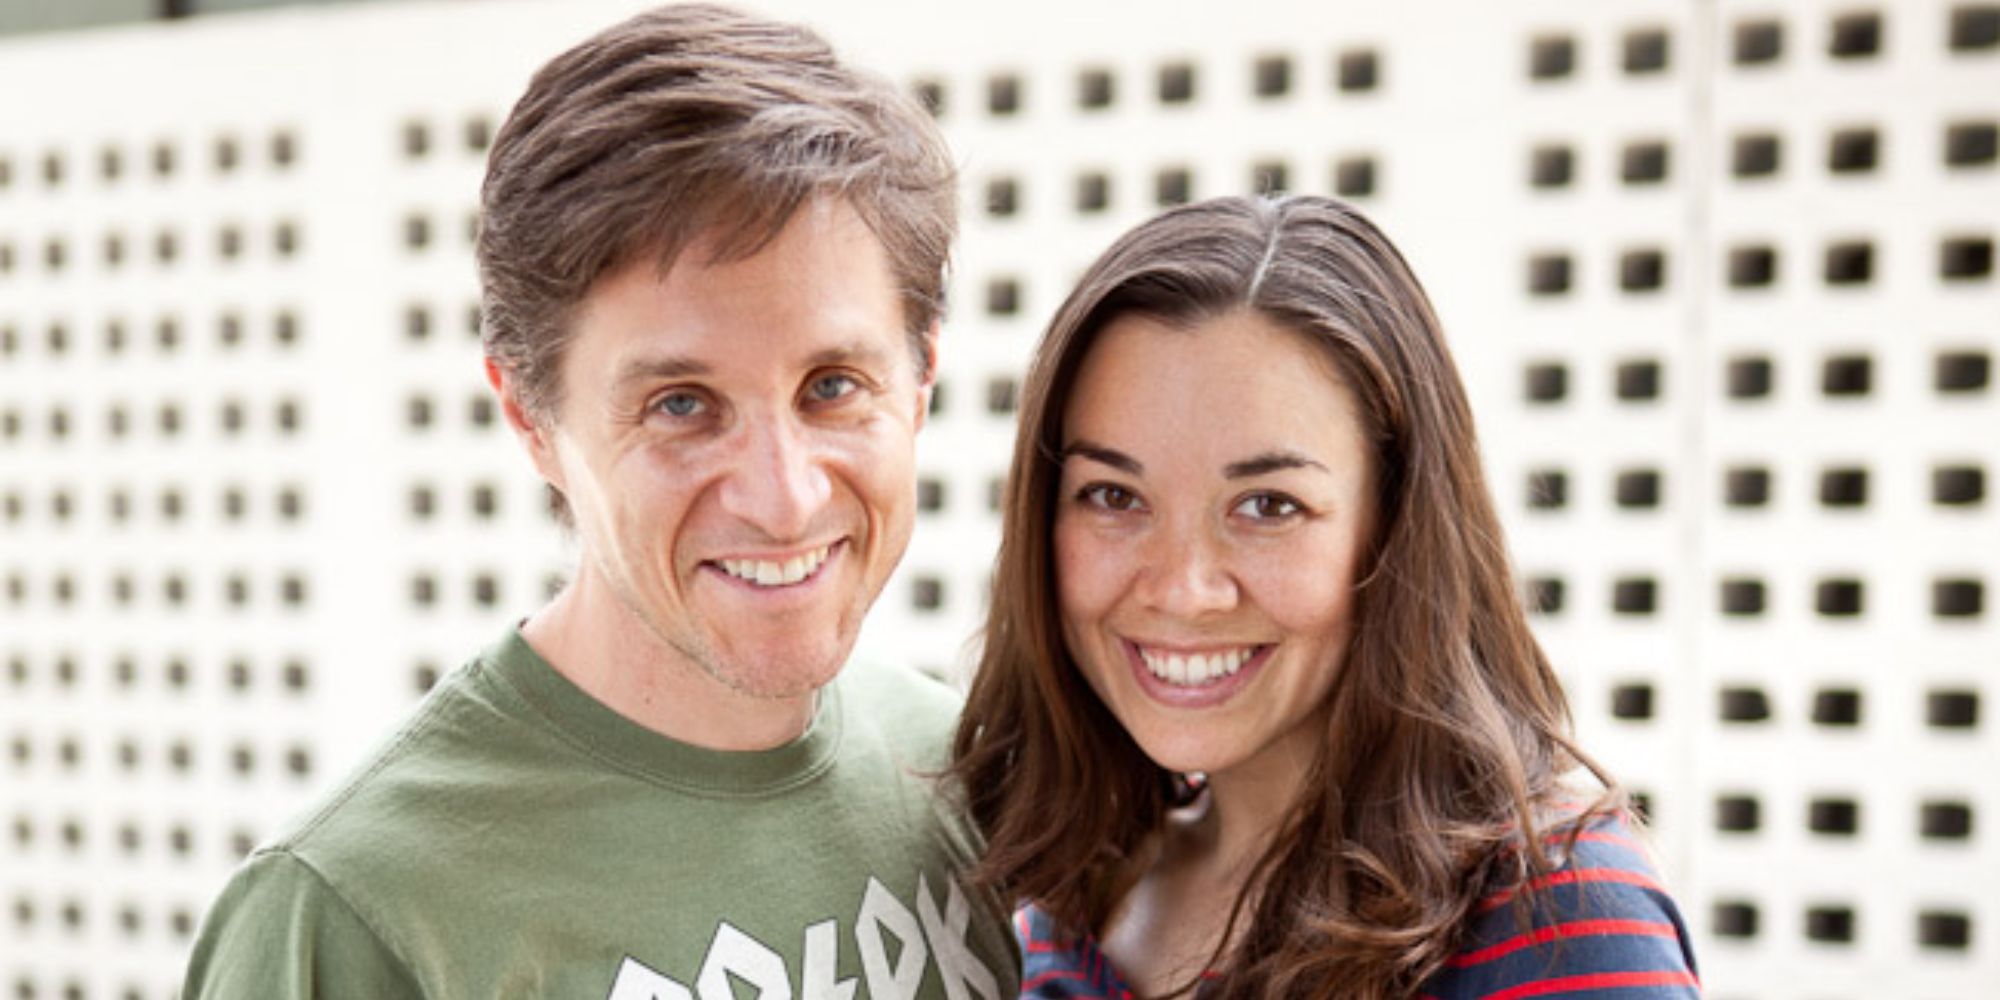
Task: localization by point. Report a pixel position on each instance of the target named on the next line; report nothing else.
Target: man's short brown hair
(694, 122)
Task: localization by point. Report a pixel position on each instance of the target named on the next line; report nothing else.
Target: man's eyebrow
(1107, 456)
(656, 368)
(659, 368)
(1268, 462)
(846, 354)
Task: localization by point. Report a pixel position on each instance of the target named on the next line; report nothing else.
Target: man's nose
(779, 484)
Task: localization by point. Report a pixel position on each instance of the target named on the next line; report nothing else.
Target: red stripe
(1621, 875)
(1595, 981)
(1574, 928)
(1602, 837)
(1050, 976)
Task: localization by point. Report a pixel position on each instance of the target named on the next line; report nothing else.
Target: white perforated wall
(1719, 275)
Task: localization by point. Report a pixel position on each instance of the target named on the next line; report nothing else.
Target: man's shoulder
(878, 682)
(434, 761)
(901, 709)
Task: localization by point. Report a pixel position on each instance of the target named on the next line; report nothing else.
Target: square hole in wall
(1850, 262)
(1837, 707)
(1635, 596)
(1855, 36)
(1754, 266)
(1738, 813)
(1271, 76)
(1748, 377)
(1552, 165)
(1548, 275)
(1743, 705)
(1003, 94)
(1547, 489)
(1962, 371)
(1636, 489)
(1830, 924)
(1546, 382)
(1853, 151)
(1354, 176)
(1269, 177)
(1003, 296)
(1971, 144)
(1741, 597)
(1642, 271)
(929, 93)
(1843, 486)
(1003, 197)
(1632, 702)
(1958, 597)
(1975, 27)
(1944, 819)
(1835, 816)
(1646, 161)
(1358, 70)
(1758, 42)
(1647, 50)
(1545, 595)
(1755, 154)
(930, 494)
(1003, 395)
(1847, 375)
(1096, 88)
(1177, 83)
(1944, 930)
(1638, 381)
(1958, 485)
(1839, 597)
(1965, 258)
(1735, 919)
(1093, 192)
(1951, 708)
(1551, 57)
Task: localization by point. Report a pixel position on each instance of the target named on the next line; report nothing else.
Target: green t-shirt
(518, 838)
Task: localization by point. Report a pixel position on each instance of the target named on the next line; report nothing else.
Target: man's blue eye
(827, 388)
(680, 404)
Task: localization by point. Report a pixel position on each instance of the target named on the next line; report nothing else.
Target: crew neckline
(597, 729)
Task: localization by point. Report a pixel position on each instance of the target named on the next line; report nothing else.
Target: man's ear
(927, 382)
(532, 435)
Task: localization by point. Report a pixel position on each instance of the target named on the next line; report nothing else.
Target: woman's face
(1213, 506)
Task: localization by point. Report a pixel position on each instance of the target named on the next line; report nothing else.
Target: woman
(1259, 713)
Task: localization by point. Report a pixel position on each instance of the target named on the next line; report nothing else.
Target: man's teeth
(767, 573)
(1197, 668)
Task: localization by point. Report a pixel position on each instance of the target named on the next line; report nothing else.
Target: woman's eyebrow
(1107, 456)
(1268, 462)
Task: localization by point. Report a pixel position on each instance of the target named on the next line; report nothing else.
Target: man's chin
(779, 674)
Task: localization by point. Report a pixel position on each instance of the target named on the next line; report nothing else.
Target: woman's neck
(1251, 802)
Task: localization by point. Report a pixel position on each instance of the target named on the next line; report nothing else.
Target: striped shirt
(1603, 925)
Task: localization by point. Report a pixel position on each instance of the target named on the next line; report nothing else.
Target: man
(712, 263)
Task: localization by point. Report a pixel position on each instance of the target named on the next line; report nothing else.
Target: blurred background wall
(1718, 273)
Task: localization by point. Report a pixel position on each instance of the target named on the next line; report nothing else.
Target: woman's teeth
(1196, 668)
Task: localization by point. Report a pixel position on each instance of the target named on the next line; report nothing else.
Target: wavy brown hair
(1447, 734)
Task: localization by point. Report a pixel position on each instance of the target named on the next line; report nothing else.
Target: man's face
(737, 442)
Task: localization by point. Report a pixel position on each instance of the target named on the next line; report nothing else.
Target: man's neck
(596, 641)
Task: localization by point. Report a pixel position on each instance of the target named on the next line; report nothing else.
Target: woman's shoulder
(1599, 918)
(1060, 966)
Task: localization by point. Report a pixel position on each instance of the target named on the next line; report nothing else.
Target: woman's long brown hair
(1447, 734)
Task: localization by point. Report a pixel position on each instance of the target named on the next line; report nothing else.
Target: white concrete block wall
(1819, 782)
